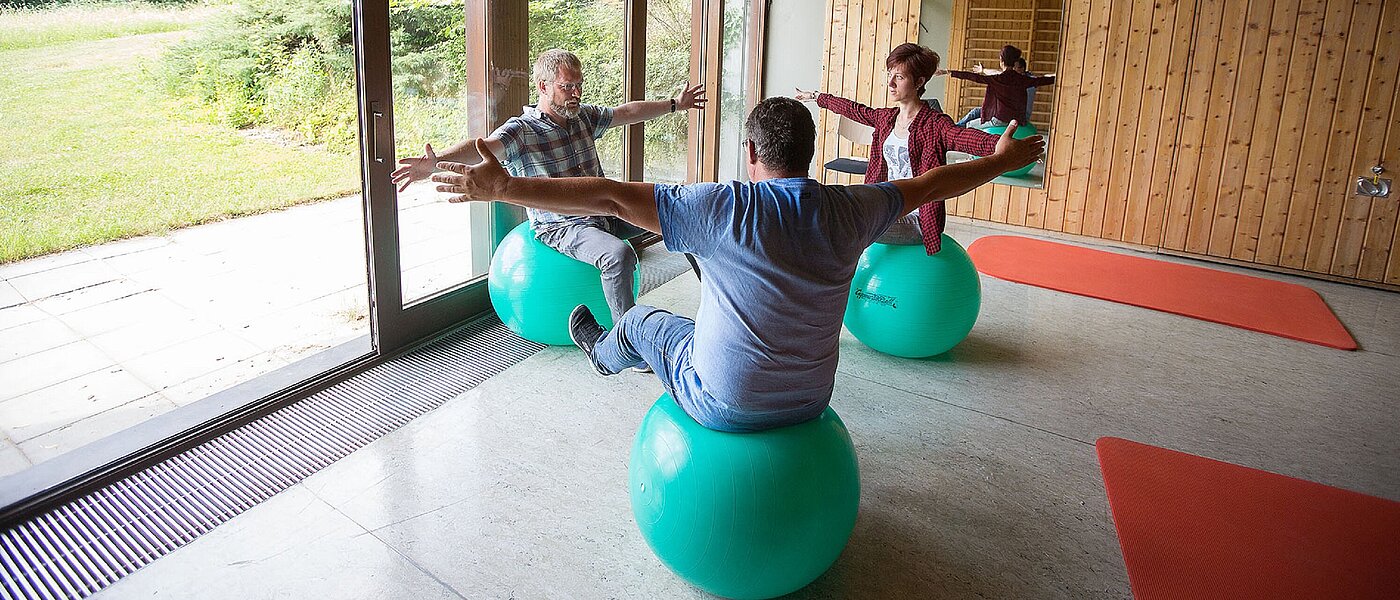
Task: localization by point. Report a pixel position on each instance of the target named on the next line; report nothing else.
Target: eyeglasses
(570, 87)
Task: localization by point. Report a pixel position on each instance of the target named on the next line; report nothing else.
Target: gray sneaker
(642, 368)
(585, 331)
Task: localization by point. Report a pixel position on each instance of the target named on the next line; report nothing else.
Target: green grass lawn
(93, 151)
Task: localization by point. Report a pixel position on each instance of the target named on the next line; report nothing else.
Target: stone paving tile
(189, 359)
(46, 409)
(15, 316)
(12, 459)
(143, 338)
(43, 263)
(124, 247)
(56, 365)
(119, 313)
(9, 296)
(90, 296)
(33, 338)
(205, 385)
(95, 427)
(37, 286)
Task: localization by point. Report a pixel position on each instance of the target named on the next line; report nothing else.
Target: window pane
(441, 245)
(593, 30)
(203, 225)
(733, 76)
(668, 67)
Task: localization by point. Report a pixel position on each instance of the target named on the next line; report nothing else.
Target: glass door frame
(395, 326)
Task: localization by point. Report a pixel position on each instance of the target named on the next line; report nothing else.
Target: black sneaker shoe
(585, 331)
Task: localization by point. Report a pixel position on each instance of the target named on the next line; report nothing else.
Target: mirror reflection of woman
(910, 138)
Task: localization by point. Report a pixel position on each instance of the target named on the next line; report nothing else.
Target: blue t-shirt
(778, 257)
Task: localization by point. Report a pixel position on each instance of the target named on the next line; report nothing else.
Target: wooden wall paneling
(956, 41)
(1364, 219)
(1336, 197)
(1195, 112)
(1134, 38)
(1169, 132)
(1156, 42)
(1223, 73)
(833, 72)
(879, 84)
(1263, 135)
(1060, 149)
(855, 21)
(1017, 209)
(911, 24)
(1240, 125)
(863, 92)
(1111, 113)
(1381, 250)
(1307, 177)
(1298, 97)
(1091, 92)
(1000, 202)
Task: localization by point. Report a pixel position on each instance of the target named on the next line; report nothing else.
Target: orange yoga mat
(1253, 303)
(1192, 527)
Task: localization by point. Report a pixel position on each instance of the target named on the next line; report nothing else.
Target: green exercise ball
(907, 303)
(534, 288)
(1022, 132)
(743, 515)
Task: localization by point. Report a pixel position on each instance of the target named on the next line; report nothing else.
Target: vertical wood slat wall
(859, 35)
(1227, 130)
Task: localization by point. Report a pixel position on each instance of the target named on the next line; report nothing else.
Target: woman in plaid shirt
(910, 138)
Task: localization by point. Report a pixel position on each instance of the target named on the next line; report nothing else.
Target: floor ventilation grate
(86, 545)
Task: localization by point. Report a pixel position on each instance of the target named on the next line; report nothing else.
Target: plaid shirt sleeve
(848, 108)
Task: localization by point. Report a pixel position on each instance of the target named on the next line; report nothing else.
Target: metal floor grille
(88, 544)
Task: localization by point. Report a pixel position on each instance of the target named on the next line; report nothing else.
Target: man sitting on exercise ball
(778, 254)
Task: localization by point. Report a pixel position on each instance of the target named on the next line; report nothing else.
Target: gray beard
(568, 112)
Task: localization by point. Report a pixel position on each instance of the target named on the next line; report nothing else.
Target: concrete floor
(979, 478)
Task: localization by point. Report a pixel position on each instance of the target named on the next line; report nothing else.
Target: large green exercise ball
(906, 303)
(1022, 132)
(744, 515)
(534, 288)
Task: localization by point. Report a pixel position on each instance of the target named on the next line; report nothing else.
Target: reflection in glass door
(441, 245)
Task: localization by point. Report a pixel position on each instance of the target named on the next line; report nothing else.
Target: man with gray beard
(557, 138)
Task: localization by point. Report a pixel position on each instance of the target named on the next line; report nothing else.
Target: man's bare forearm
(951, 181)
(586, 196)
(463, 152)
(641, 110)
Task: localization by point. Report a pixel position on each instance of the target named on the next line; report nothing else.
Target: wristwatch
(673, 105)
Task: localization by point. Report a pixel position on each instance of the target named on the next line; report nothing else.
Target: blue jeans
(975, 113)
(663, 340)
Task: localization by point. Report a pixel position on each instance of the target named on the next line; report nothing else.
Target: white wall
(797, 36)
(936, 16)
(795, 49)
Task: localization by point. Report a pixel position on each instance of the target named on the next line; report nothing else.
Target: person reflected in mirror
(557, 138)
(1010, 91)
(910, 138)
(779, 252)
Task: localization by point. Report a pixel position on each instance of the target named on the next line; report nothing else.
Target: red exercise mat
(1192, 527)
(1253, 303)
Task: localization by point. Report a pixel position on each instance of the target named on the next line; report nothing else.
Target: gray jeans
(602, 247)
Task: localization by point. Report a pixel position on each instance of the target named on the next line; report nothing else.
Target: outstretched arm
(631, 202)
(951, 181)
(852, 110)
(418, 168)
(644, 110)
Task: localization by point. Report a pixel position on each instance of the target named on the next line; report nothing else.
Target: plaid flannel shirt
(931, 136)
(538, 147)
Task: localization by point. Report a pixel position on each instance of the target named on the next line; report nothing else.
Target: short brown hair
(1009, 55)
(918, 60)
